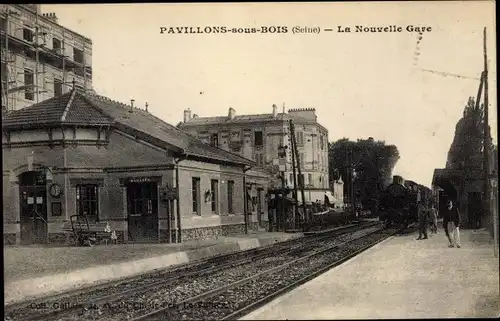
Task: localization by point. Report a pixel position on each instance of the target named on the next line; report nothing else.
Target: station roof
(76, 108)
(443, 176)
(248, 119)
(241, 119)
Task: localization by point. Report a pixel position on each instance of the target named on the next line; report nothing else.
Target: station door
(33, 207)
(142, 199)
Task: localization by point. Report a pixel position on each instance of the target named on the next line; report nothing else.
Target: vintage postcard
(256, 161)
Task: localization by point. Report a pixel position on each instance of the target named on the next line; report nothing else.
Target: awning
(442, 177)
(330, 197)
(448, 180)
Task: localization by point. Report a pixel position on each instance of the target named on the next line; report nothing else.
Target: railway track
(100, 301)
(238, 298)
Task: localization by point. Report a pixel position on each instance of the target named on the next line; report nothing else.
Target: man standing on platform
(434, 215)
(451, 224)
(422, 222)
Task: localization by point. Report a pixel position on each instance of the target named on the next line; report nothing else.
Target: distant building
(114, 163)
(40, 58)
(338, 193)
(258, 136)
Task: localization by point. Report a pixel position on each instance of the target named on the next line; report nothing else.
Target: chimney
(51, 16)
(232, 113)
(396, 179)
(147, 107)
(187, 115)
(275, 110)
(131, 105)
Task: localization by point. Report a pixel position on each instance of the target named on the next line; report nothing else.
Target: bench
(97, 229)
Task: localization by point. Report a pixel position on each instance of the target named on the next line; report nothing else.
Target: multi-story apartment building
(40, 58)
(258, 137)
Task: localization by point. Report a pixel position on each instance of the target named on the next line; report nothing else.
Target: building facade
(83, 154)
(40, 58)
(338, 193)
(258, 137)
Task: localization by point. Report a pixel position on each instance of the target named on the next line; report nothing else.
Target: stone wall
(9, 239)
(212, 232)
(253, 226)
(228, 230)
(58, 238)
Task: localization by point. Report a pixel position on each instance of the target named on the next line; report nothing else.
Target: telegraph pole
(301, 180)
(6, 60)
(352, 188)
(486, 151)
(294, 173)
(6, 57)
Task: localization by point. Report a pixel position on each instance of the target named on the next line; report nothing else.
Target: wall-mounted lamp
(493, 179)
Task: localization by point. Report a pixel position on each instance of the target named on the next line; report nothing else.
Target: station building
(81, 153)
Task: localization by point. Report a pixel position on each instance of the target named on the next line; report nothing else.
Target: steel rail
(224, 288)
(156, 272)
(260, 254)
(261, 302)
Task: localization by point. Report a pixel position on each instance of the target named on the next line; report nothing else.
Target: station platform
(400, 278)
(34, 271)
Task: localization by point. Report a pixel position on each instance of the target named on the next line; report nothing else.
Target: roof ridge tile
(163, 126)
(68, 105)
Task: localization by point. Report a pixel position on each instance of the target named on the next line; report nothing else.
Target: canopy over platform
(443, 177)
(446, 179)
(331, 198)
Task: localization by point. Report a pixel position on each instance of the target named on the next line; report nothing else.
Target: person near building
(271, 210)
(434, 217)
(422, 221)
(451, 224)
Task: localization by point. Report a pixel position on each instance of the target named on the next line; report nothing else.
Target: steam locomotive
(399, 202)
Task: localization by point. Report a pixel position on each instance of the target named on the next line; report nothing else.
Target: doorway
(142, 204)
(474, 209)
(33, 207)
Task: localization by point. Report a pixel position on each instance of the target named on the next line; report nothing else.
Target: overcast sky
(360, 84)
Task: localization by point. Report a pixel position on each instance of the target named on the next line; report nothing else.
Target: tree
(372, 161)
(466, 149)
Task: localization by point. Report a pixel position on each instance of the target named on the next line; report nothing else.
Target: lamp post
(352, 173)
(282, 169)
